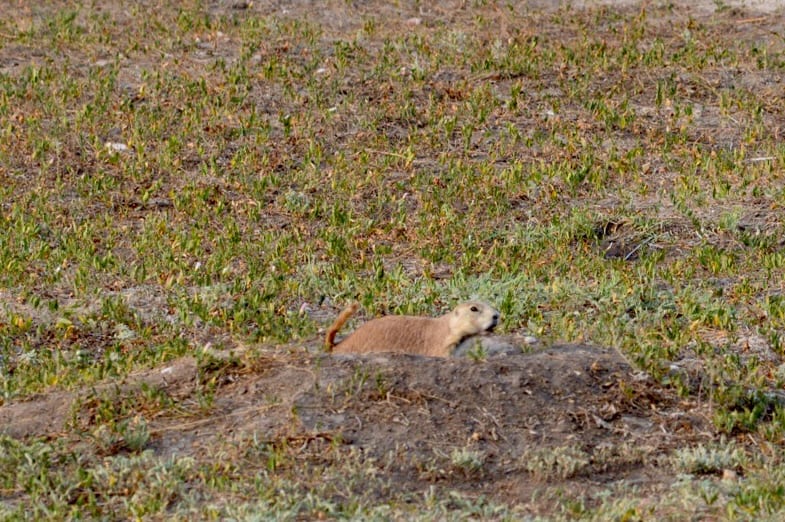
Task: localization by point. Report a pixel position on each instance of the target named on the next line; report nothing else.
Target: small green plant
(135, 433)
(477, 352)
(467, 461)
(561, 462)
(128, 434)
(382, 387)
(712, 459)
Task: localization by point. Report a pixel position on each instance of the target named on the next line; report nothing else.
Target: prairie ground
(190, 194)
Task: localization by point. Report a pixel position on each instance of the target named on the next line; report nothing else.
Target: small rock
(116, 147)
(729, 475)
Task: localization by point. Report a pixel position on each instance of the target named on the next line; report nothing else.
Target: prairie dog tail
(329, 340)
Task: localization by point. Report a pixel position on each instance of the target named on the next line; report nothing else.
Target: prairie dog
(431, 336)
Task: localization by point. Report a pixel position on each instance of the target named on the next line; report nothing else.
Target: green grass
(274, 162)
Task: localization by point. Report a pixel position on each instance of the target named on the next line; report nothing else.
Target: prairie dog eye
(474, 309)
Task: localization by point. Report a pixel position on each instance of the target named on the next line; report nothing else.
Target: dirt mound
(49, 413)
(498, 426)
(507, 402)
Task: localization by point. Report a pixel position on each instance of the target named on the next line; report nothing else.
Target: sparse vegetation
(702, 460)
(561, 462)
(189, 179)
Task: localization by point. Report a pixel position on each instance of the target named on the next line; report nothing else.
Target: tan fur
(329, 340)
(434, 337)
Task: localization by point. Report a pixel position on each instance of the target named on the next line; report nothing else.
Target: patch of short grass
(560, 462)
(709, 460)
(46, 479)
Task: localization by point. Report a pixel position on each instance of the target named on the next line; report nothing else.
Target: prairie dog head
(472, 318)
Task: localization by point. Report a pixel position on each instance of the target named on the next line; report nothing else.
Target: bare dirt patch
(571, 416)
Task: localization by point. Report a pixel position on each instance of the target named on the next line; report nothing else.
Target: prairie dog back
(431, 336)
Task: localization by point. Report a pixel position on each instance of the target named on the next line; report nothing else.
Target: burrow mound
(417, 413)
(574, 391)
